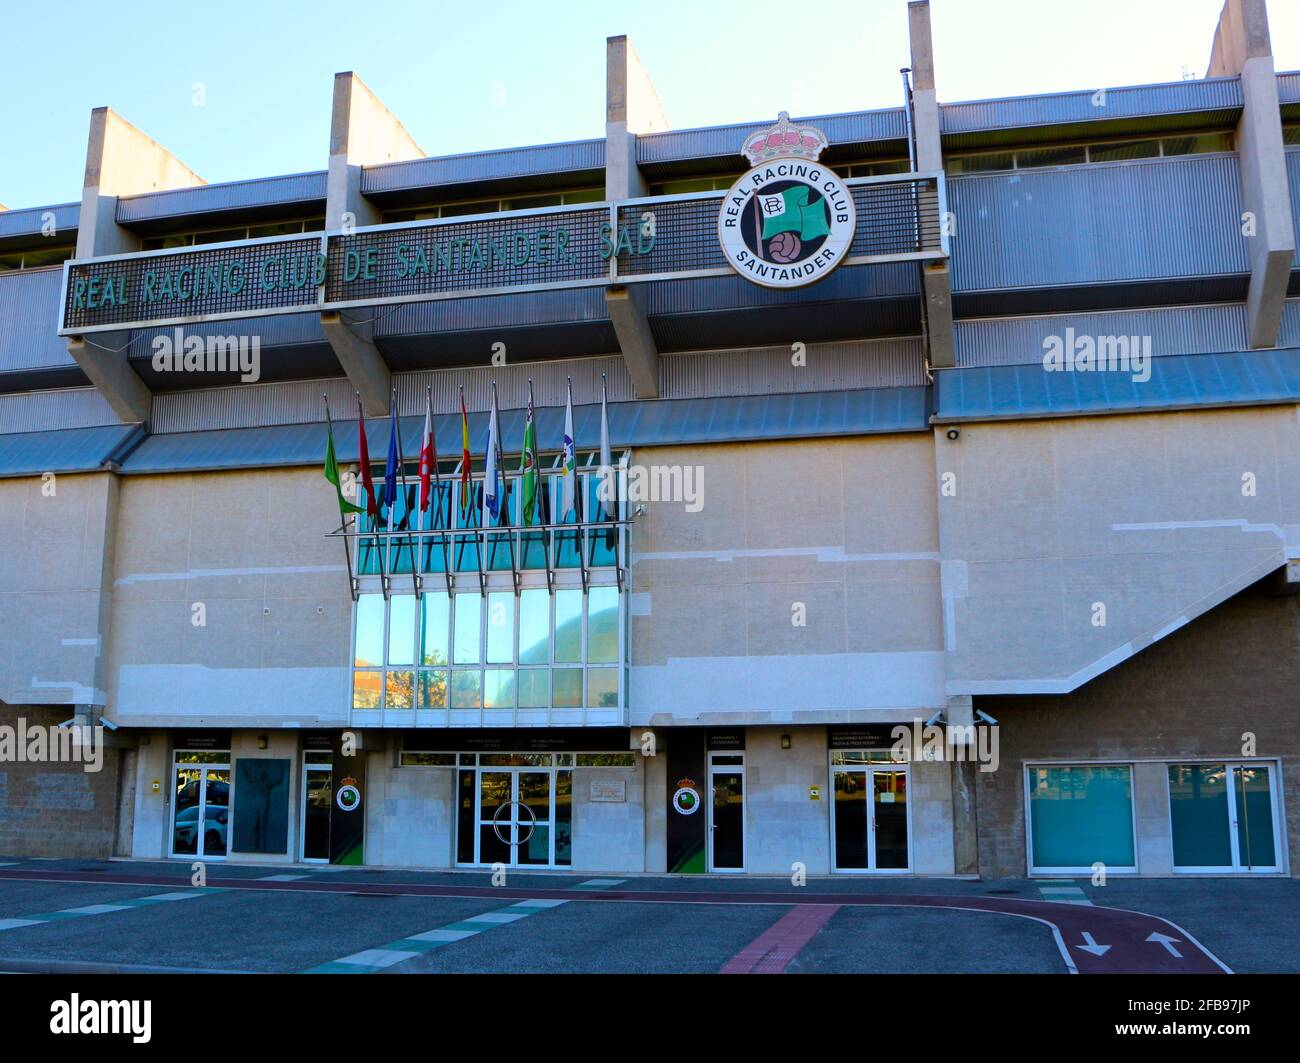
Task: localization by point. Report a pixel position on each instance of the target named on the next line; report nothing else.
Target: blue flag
(390, 469)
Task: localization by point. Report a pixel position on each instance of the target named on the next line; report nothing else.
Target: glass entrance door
(516, 816)
(317, 800)
(870, 823)
(727, 817)
(1223, 817)
(200, 806)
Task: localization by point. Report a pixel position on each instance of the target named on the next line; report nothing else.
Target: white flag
(491, 472)
(569, 476)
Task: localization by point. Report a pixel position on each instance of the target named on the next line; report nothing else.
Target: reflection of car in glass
(214, 827)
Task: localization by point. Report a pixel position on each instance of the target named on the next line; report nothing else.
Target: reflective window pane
(469, 607)
(534, 688)
(367, 690)
(602, 687)
(1080, 815)
(535, 627)
(433, 688)
(501, 627)
(1198, 812)
(568, 687)
(370, 631)
(466, 689)
(602, 625)
(401, 629)
(400, 691)
(499, 688)
(434, 630)
(568, 626)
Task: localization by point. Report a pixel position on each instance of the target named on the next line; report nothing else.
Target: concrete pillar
(936, 278)
(120, 161)
(965, 834)
(363, 132)
(631, 107)
(1242, 47)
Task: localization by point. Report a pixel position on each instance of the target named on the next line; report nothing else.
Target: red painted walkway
(777, 946)
(1117, 941)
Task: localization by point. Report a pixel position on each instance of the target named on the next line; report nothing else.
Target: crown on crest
(785, 140)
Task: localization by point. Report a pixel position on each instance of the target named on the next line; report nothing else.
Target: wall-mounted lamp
(785, 741)
(954, 433)
(261, 741)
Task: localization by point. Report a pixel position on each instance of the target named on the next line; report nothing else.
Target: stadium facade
(974, 419)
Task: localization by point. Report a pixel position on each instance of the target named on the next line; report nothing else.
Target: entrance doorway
(317, 801)
(1224, 817)
(870, 821)
(726, 835)
(516, 809)
(200, 804)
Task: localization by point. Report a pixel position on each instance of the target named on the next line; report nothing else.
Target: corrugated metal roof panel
(299, 190)
(853, 130)
(1015, 392)
(659, 422)
(30, 221)
(1092, 224)
(571, 156)
(1056, 108)
(29, 320)
(68, 450)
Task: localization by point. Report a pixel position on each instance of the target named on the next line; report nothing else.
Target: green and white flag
(528, 463)
(569, 475)
(332, 475)
(790, 212)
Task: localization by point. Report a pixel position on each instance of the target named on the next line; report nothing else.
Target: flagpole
(406, 502)
(372, 503)
(343, 524)
(465, 482)
(435, 513)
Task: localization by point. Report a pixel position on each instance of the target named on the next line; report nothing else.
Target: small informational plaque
(612, 791)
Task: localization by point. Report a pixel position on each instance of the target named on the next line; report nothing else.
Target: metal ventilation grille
(498, 252)
(685, 237)
(897, 218)
(228, 279)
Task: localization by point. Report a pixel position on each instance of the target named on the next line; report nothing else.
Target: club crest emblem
(790, 220)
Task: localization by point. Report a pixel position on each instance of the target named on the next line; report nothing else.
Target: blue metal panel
(294, 192)
(1288, 87)
(854, 130)
(1102, 223)
(68, 450)
(650, 423)
(1017, 392)
(1173, 330)
(29, 320)
(1205, 94)
(735, 292)
(30, 221)
(484, 166)
(497, 311)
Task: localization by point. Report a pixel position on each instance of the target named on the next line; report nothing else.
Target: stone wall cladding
(56, 810)
(1193, 694)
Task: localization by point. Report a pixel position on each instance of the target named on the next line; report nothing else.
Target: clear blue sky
(499, 73)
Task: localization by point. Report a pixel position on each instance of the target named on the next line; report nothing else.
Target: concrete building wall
(610, 835)
(410, 814)
(1153, 518)
(1191, 696)
(244, 553)
(51, 808)
(58, 541)
(805, 589)
(785, 826)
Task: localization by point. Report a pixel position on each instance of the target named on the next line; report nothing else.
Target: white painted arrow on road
(1168, 943)
(1092, 946)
